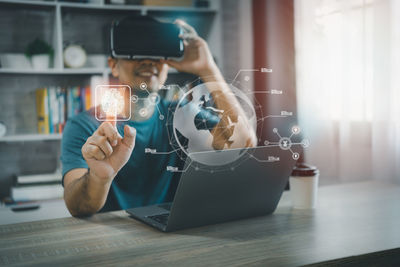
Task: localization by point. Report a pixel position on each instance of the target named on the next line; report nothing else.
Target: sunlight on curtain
(348, 84)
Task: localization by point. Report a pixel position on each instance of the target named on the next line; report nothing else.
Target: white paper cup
(304, 186)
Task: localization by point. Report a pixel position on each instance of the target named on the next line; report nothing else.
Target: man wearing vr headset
(104, 164)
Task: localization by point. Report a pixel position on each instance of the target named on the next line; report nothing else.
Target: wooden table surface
(350, 219)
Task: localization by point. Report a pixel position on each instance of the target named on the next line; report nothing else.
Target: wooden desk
(350, 219)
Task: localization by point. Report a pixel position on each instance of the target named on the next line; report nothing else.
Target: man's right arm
(83, 195)
(105, 152)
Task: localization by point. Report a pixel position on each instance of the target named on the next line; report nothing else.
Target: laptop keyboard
(161, 218)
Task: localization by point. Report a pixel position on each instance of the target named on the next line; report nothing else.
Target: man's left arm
(198, 60)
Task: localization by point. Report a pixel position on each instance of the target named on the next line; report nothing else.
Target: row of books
(54, 105)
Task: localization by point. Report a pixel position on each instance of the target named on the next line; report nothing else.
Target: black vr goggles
(137, 37)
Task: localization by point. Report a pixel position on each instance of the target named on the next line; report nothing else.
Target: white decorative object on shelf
(57, 71)
(14, 61)
(17, 66)
(32, 193)
(74, 56)
(96, 61)
(117, 2)
(40, 62)
(3, 129)
(30, 137)
(40, 178)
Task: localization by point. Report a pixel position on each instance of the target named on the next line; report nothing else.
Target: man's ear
(112, 63)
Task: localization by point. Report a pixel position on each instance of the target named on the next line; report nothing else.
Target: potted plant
(40, 53)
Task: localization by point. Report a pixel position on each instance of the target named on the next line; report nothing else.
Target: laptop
(250, 189)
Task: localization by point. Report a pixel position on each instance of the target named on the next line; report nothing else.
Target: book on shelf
(35, 179)
(37, 187)
(36, 192)
(55, 105)
(42, 111)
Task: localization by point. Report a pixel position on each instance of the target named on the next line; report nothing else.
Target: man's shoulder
(86, 117)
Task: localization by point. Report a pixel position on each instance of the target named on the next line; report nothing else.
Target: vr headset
(137, 37)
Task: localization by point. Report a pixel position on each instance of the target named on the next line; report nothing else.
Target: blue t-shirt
(144, 179)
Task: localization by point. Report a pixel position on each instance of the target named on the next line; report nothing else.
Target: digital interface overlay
(190, 132)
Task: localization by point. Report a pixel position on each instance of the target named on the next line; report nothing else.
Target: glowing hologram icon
(286, 143)
(272, 92)
(154, 151)
(189, 134)
(266, 70)
(143, 112)
(172, 169)
(175, 169)
(295, 129)
(134, 98)
(242, 70)
(143, 86)
(190, 98)
(270, 159)
(112, 102)
(154, 98)
(305, 143)
(199, 137)
(276, 92)
(247, 78)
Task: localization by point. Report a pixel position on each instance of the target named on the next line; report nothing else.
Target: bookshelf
(102, 5)
(59, 22)
(22, 149)
(66, 71)
(30, 137)
(54, 71)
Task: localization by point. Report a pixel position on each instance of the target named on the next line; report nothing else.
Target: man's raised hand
(106, 152)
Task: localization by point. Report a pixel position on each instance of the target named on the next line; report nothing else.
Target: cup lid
(303, 169)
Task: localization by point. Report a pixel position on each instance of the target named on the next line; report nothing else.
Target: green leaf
(37, 47)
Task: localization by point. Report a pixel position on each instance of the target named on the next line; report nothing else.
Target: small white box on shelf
(14, 61)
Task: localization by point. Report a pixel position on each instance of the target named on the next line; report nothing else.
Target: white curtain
(348, 84)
